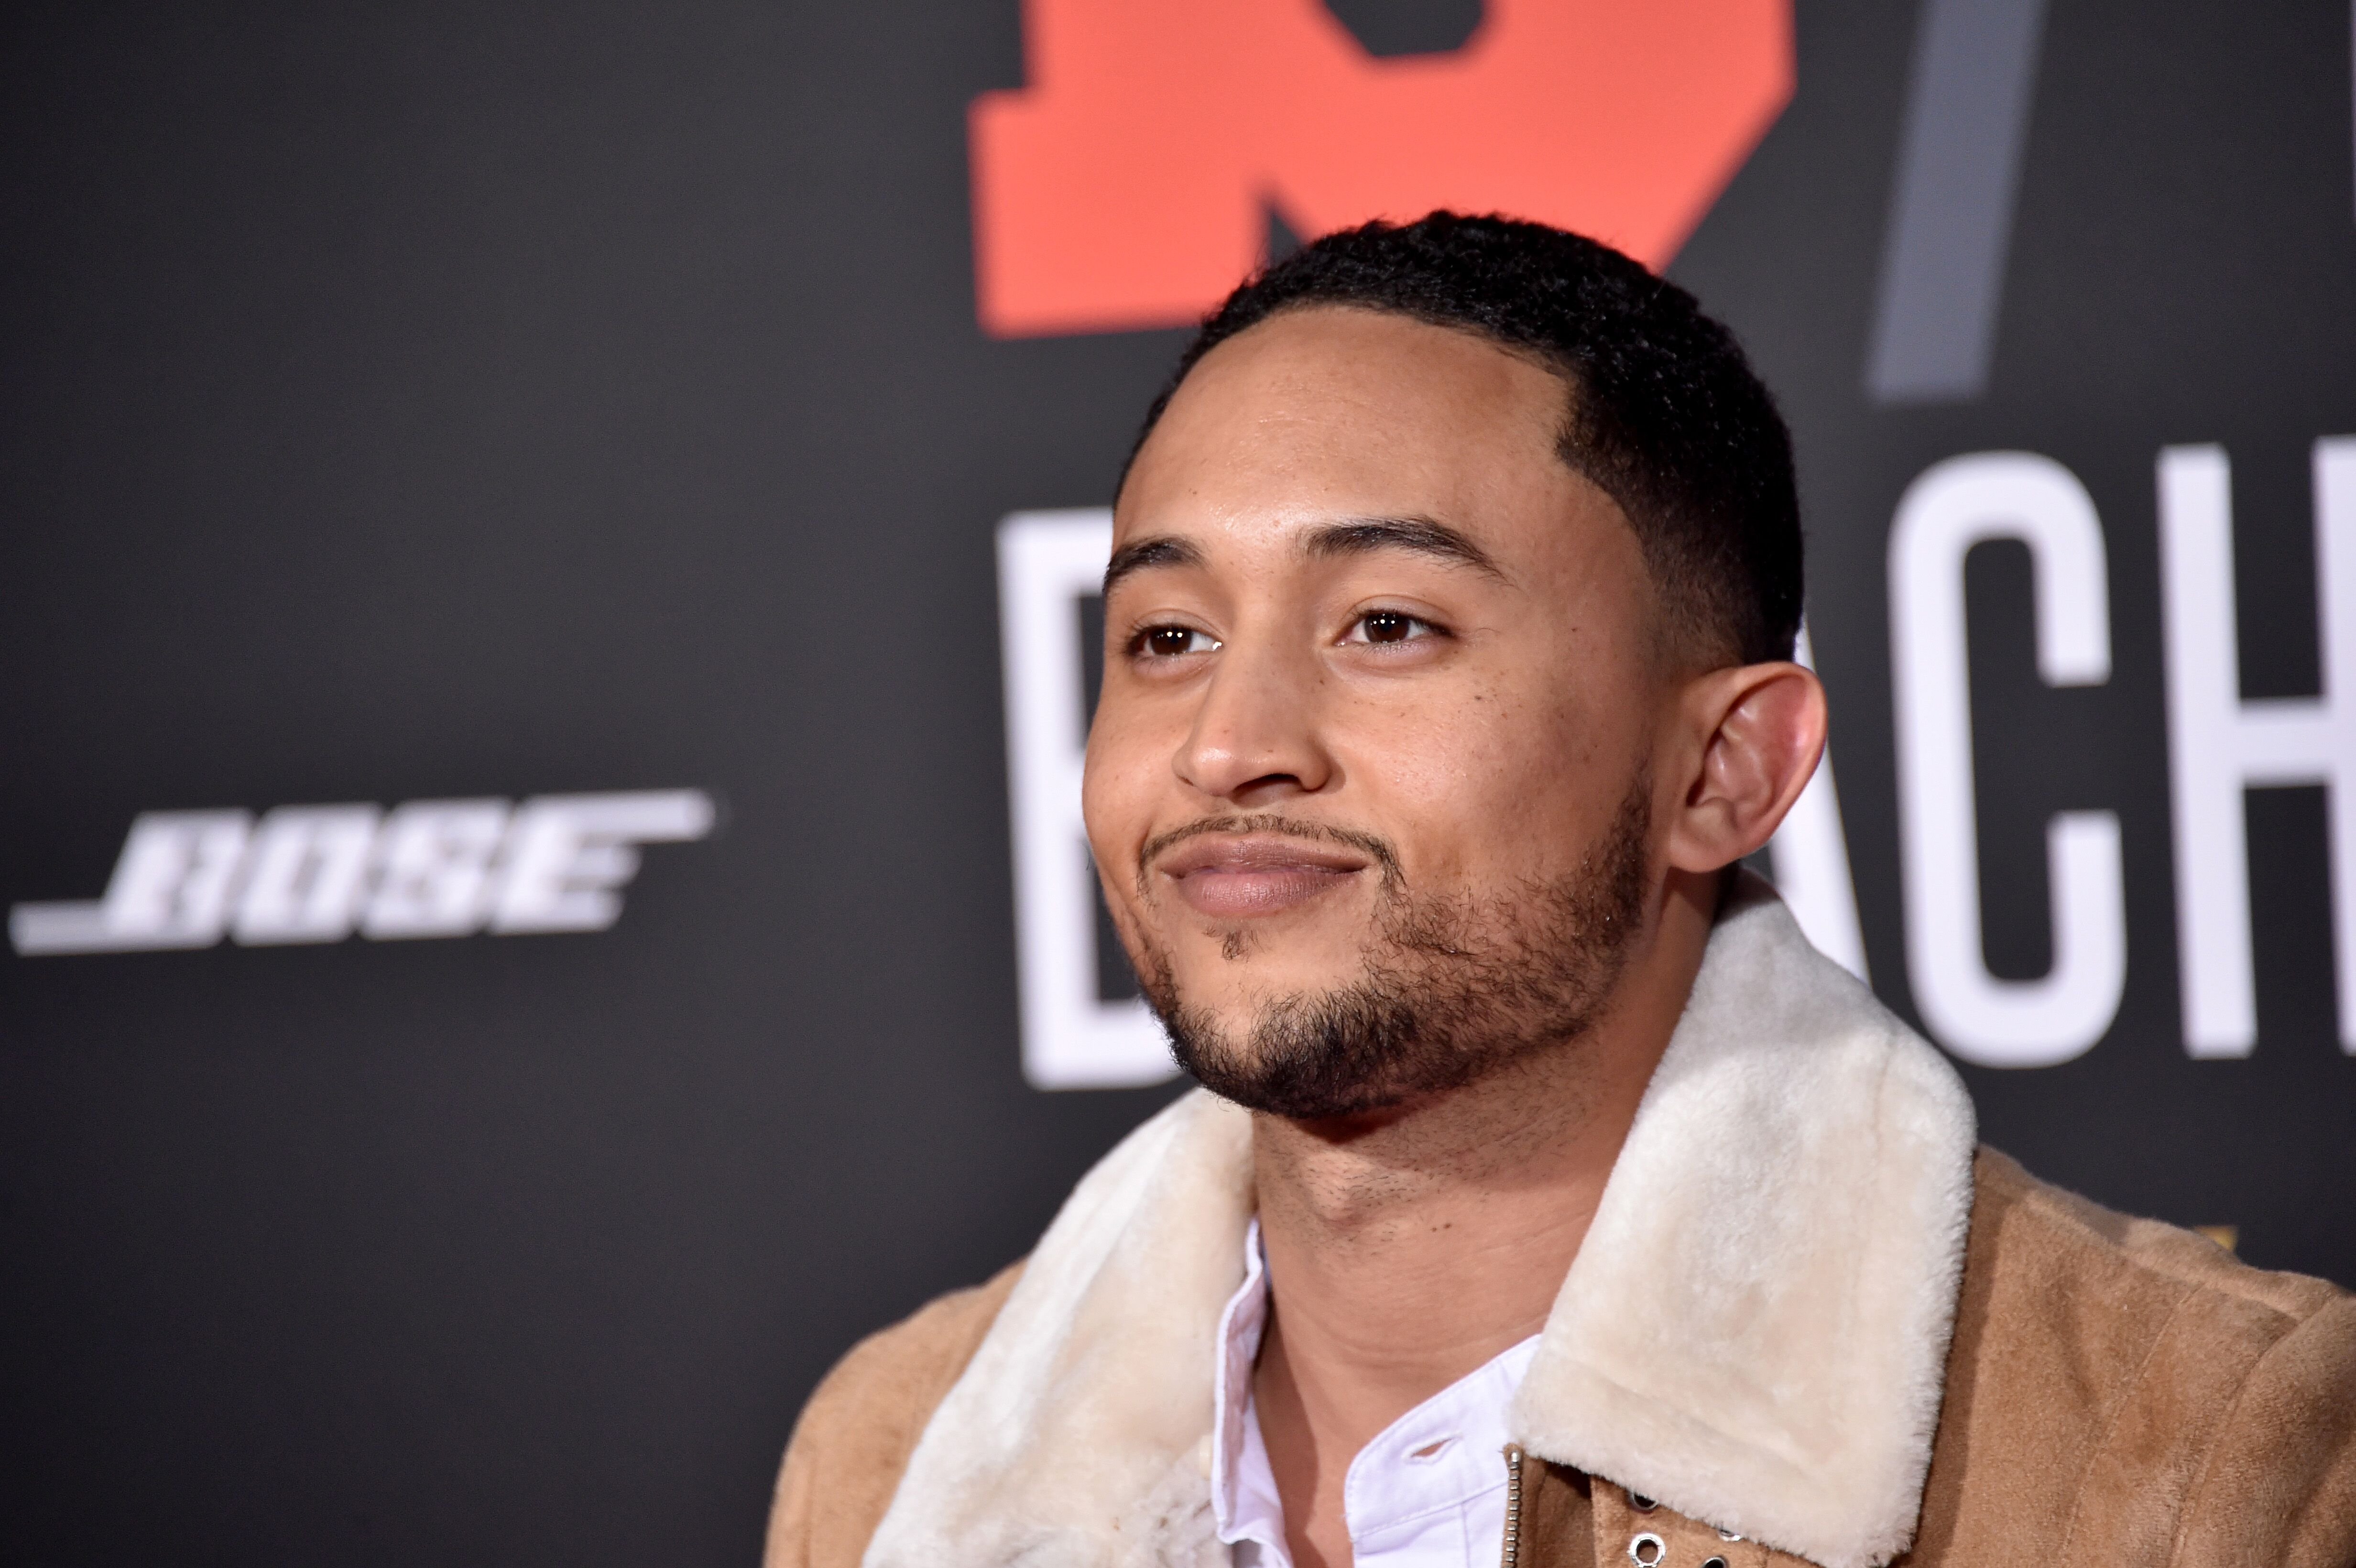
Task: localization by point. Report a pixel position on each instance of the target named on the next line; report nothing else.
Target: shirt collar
(1443, 1456)
(1240, 1329)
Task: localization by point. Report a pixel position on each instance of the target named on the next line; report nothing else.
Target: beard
(1454, 988)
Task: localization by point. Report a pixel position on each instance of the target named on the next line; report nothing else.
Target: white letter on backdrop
(1810, 856)
(2219, 744)
(435, 869)
(1952, 506)
(1047, 562)
(170, 888)
(567, 856)
(304, 873)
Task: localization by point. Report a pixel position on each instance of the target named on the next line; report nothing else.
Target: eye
(1388, 626)
(1172, 642)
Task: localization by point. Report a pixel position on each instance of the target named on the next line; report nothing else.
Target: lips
(1241, 877)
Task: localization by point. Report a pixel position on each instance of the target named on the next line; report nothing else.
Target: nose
(1255, 739)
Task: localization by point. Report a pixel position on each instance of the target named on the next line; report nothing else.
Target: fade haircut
(1664, 413)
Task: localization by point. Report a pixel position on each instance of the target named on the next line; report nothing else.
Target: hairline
(1680, 640)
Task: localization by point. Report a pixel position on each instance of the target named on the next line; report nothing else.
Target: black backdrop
(449, 400)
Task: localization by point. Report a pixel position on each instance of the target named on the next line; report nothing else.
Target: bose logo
(316, 873)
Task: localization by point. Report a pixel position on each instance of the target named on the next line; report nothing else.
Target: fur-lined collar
(1754, 1332)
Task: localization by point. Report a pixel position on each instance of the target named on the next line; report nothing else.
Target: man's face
(1367, 782)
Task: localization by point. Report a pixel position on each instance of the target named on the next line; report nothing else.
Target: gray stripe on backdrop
(1950, 205)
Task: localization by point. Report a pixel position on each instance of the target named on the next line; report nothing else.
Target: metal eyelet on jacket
(1728, 1535)
(1641, 1503)
(1715, 1562)
(1637, 1554)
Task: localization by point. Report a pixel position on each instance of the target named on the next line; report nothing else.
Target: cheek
(1488, 783)
(1121, 785)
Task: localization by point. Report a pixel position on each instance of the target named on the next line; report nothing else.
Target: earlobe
(1761, 728)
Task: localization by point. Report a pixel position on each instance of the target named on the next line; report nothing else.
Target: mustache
(1373, 848)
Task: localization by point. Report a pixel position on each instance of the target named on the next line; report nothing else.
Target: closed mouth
(1228, 876)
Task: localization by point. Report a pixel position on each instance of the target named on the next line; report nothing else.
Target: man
(1552, 1201)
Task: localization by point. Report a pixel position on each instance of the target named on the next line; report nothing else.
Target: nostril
(1266, 786)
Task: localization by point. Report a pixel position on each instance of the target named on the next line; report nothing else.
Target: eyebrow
(1358, 536)
(1144, 553)
(1421, 535)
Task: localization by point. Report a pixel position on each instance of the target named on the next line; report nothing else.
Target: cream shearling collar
(1754, 1331)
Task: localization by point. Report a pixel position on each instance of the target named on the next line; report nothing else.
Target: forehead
(1334, 410)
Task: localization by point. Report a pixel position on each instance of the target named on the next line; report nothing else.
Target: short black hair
(1665, 416)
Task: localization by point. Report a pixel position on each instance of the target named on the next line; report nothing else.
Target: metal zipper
(1513, 1551)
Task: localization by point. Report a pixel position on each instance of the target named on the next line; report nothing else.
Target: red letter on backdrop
(1127, 186)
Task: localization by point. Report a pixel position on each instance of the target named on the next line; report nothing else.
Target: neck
(1406, 1249)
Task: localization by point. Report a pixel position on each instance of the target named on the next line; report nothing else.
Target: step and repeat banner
(547, 621)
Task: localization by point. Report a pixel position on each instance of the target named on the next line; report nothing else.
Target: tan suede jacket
(1811, 1322)
(2119, 1393)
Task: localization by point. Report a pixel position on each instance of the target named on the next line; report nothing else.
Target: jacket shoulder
(2075, 1233)
(853, 1441)
(2122, 1384)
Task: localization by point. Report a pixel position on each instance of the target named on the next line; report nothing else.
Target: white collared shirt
(1429, 1492)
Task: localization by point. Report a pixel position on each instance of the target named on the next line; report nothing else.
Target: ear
(1752, 738)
